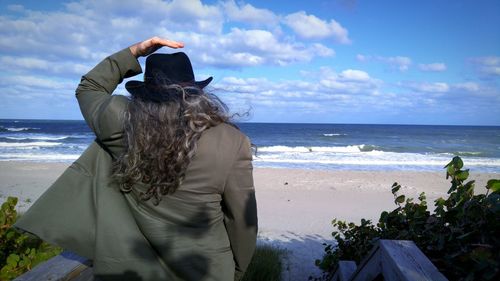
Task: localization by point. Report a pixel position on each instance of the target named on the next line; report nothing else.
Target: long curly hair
(161, 138)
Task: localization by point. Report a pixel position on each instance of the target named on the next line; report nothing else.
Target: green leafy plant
(461, 237)
(19, 252)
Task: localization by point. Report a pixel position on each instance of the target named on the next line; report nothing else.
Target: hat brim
(139, 88)
(204, 83)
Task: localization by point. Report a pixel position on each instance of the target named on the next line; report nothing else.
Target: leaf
(479, 254)
(422, 197)
(469, 188)
(400, 199)
(440, 202)
(383, 216)
(12, 260)
(450, 170)
(395, 188)
(10, 234)
(462, 175)
(493, 185)
(12, 201)
(457, 162)
(23, 263)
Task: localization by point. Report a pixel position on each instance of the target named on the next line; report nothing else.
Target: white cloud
(24, 62)
(89, 30)
(248, 85)
(34, 82)
(15, 8)
(27, 64)
(93, 29)
(400, 63)
(488, 65)
(493, 70)
(249, 14)
(322, 50)
(347, 87)
(349, 82)
(465, 93)
(492, 60)
(241, 47)
(361, 57)
(262, 93)
(467, 86)
(177, 14)
(428, 87)
(355, 75)
(433, 67)
(312, 27)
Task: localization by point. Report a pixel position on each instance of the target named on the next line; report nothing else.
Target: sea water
(305, 146)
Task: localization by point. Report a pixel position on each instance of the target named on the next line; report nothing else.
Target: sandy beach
(295, 207)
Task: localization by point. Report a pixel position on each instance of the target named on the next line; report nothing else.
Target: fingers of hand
(166, 42)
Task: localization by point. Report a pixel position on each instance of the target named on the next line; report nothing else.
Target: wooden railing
(390, 260)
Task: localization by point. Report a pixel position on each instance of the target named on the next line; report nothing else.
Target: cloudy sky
(337, 61)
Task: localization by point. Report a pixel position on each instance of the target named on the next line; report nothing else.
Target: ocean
(305, 146)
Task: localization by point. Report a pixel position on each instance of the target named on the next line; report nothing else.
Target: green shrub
(266, 264)
(461, 237)
(19, 252)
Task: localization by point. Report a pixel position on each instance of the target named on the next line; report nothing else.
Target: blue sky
(340, 61)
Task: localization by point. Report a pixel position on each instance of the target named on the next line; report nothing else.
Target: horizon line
(266, 122)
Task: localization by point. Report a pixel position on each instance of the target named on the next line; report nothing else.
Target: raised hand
(151, 45)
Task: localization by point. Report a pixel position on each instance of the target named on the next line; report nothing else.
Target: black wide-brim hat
(163, 70)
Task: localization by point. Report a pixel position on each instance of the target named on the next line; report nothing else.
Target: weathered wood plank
(345, 271)
(66, 266)
(403, 260)
(395, 260)
(86, 275)
(370, 267)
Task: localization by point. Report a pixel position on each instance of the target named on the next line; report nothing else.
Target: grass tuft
(266, 264)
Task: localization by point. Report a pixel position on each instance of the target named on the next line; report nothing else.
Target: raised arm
(102, 111)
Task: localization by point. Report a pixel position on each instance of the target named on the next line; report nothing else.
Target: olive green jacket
(206, 230)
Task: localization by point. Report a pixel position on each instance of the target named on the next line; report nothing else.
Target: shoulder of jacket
(227, 136)
(228, 129)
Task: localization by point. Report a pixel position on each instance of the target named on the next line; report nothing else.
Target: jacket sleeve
(102, 111)
(240, 216)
